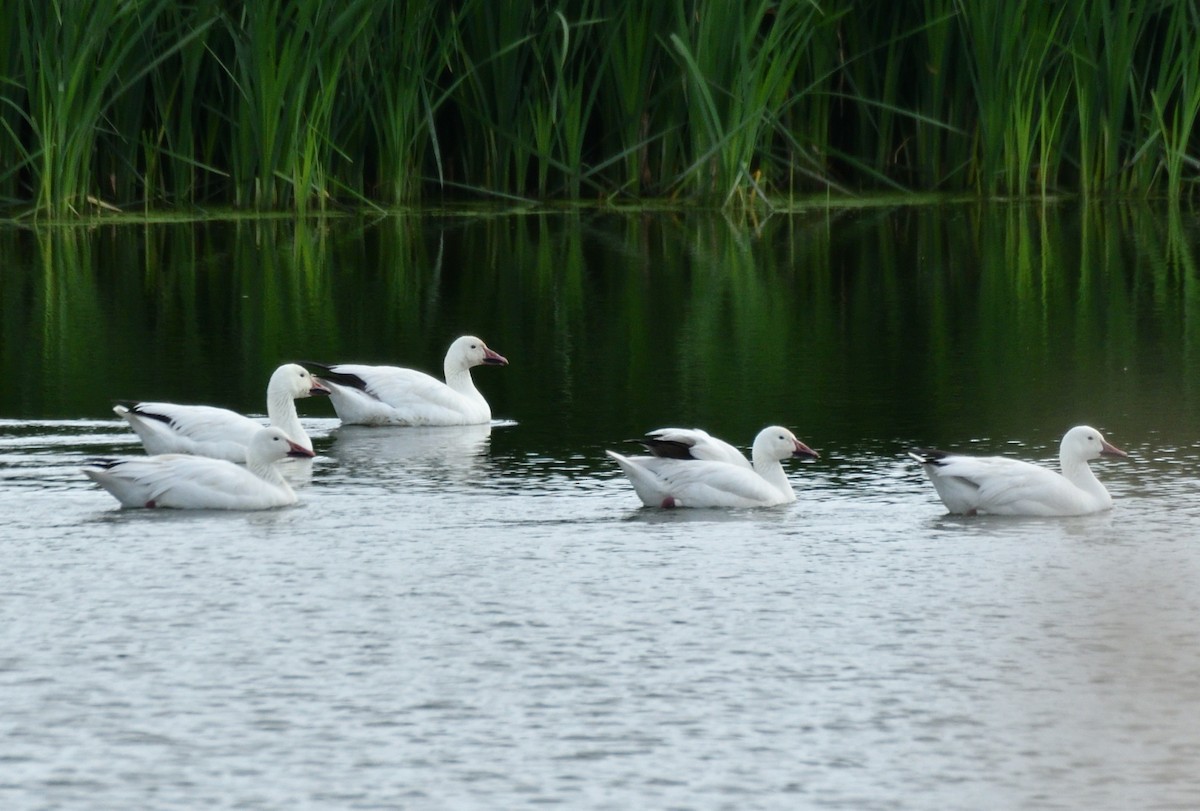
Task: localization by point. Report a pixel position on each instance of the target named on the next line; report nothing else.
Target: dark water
(483, 618)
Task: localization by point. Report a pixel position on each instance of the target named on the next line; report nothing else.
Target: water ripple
(449, 620)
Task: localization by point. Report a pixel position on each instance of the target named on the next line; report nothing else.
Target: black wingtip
(327, 374)
(667, 448)
(136, 408)
(105, 462)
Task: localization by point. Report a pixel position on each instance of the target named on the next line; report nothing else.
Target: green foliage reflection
(934, 322)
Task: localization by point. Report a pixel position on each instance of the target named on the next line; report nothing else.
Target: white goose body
(218, 432)
(391, 395)
(664, 481)
(183, 481)
(999, 485)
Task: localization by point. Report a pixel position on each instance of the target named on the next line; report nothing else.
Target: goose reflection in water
(409, 453)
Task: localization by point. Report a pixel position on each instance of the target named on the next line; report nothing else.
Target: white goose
(219, 432)
(183, 481)
(390, 395)
(666, 481)
(1003, 486)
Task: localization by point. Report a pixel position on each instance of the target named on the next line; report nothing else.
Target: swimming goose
(1003, 486)
(390, 395)
(183, 481)
(689, 482)
(219, 432)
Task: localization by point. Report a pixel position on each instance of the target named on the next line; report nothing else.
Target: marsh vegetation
(300, 105)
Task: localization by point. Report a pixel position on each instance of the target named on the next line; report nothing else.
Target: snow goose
(1003, 486)
(183, 481)
(219, 432)
(390, 395)
(671, 481)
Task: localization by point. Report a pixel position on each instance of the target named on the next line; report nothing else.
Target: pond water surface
(485, 618)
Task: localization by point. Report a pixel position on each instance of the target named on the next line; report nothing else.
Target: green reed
(739, 64)
(1175, 101)
(1108, 90)
(14, 148)
(492, 49)
(637, 109)
(398, 98)
(563, 97)
(288, 61)
(77, 92)
(1010, 72)
(308, 104)
(177, 113)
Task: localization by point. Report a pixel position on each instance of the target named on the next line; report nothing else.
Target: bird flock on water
(204, 457)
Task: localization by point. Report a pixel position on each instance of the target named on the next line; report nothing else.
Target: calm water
(484, 618)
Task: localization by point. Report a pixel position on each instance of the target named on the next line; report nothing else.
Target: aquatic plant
(306, 104)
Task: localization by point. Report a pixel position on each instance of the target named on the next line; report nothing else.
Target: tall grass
(82, 65)
(288, 60)
(640, 111)
(493, 51)
(565, 53)
(180, 121)
(306, 104)
(941, 158)
(1175, 101)
(398, 97)
(15, 144)
(739, 64)
(1014, 66)
(1109, 85)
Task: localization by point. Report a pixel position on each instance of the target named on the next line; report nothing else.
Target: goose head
(778, 443)
(469, 351)
(1083, 443)
(296, 381)
(272, 444)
